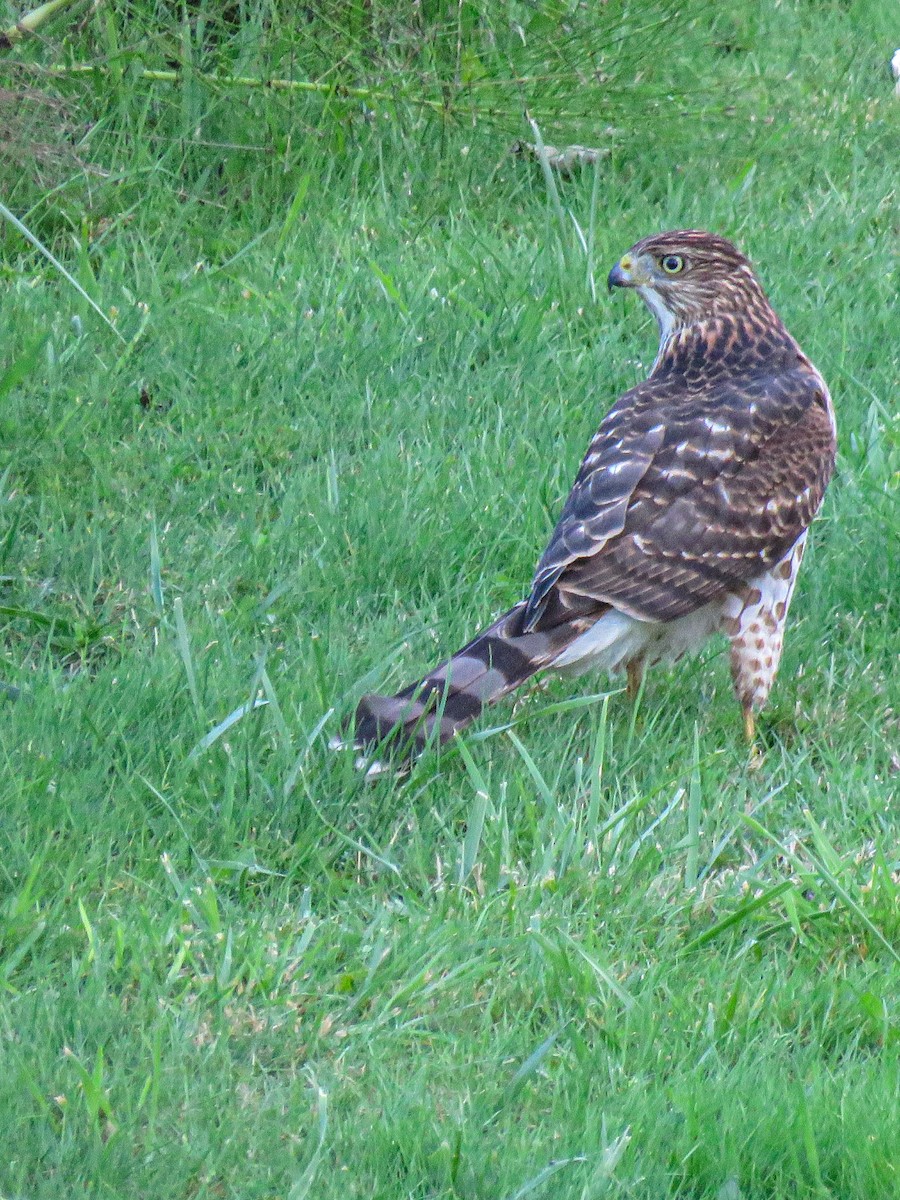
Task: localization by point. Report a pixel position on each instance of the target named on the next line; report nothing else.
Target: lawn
(358, 351)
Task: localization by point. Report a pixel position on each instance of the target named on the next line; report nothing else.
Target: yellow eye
(672, 264)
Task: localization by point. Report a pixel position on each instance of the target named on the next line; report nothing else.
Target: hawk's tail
(437, 707)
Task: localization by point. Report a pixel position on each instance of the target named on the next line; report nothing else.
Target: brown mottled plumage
(688, 515)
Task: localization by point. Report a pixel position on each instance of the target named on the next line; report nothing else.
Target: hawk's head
(688, 277)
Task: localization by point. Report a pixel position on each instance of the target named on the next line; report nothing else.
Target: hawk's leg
(754, 621)
(749, 723)
(634, 670)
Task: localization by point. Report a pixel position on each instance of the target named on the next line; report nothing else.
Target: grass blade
(552, 190)
(301, 1187)
(476, 817)
(545, 1173)
(741, 914)
(534, 1060)
(54, 261)
(156, 584)
(184, 649)
(225, 724)
(693, 815)
(603, 974)
(532, 768)
(293, 213)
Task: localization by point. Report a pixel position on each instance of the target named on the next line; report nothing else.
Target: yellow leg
(635, 672)
(756, 756)
(749, 723)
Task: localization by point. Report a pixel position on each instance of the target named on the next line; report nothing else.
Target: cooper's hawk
(688, 516)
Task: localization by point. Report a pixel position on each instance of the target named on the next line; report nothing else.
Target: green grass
(591, 955)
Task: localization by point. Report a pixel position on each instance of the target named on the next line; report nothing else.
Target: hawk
(688, 515)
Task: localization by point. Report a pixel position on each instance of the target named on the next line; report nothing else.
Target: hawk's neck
(729, 344)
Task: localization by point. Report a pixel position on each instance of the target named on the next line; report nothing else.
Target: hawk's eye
(672, 264)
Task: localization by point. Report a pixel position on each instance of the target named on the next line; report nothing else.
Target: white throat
(664, 319)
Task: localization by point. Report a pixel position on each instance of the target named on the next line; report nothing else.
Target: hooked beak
(620, 275)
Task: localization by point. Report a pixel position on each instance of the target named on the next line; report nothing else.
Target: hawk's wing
(687, 493)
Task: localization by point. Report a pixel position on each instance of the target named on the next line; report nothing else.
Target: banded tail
(452, 695)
